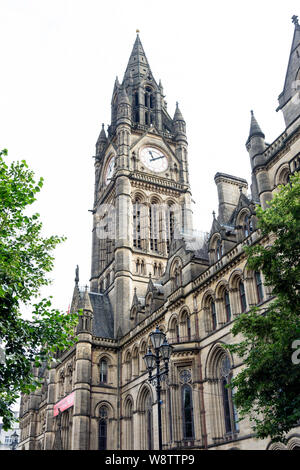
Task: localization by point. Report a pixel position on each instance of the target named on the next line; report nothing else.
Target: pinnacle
(102, 136)
(138, 66)
(123, 97)
(178, 115)
(255, 130)
(86, 303)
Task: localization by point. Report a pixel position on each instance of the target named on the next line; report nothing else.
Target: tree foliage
(268, 387)
(25, 259)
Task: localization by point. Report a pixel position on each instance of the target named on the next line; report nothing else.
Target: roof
(103, 325)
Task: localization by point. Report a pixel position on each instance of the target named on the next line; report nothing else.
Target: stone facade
(149, 269)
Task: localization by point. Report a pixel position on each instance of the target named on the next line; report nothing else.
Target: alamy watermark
(296, 354)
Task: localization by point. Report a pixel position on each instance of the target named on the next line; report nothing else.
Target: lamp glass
(157, 338)
(166, 350)
(149, 359)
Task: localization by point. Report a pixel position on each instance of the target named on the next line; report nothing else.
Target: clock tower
(142, 193)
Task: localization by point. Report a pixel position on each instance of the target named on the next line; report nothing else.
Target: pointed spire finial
(214, 214)
(295, 20)
(137, 31)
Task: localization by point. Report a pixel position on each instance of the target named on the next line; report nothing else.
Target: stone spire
(86, 303)
(101, 142)
(138, 67)
(255, 130)
(256, 146)
(179, 125)
(178, 115)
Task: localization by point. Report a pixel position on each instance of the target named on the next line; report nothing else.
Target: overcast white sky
(59, 60)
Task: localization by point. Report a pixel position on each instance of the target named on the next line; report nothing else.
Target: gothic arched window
(242, 294)
(160, 270)
(247, 225)
(103, 428)
(146, 420)
(213, 314)
(187, 412)
(186, 323)
(103, 371)
(219, 249)
(137, 224)
(176, 274)
(149, 105)
(227, 305)
(259, 286)
(229, 410)
(153, 227)
(148, 406)
(170, 226)
(128, 416)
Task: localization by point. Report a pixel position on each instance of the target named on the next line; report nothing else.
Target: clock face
(154, 159)
(109, 170)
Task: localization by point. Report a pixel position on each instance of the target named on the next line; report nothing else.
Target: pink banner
(64, 404)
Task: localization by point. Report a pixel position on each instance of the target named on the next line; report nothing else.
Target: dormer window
(247, 225)
(176, 275)
(219, 249)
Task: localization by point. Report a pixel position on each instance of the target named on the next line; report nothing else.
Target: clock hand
(157, 158)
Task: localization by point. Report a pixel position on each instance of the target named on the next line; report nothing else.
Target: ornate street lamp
(162, 351)
(14, 440)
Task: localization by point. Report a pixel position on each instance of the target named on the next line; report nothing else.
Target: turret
(124, 108)
(289, 99)
(256, 141)
(101, 142)
(82, 376)
(179, 124)
(256, 146)
(85, 324)
(179, 128)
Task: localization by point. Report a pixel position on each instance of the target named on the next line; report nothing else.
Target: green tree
(268, 387)
(25, 260)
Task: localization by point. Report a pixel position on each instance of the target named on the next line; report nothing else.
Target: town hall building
(149, 269)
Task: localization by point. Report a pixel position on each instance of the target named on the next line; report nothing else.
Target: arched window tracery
(103, 417)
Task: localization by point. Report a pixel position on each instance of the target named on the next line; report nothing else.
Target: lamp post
(14, 440)
(162, 352)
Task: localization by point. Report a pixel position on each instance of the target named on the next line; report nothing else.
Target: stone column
(82, 387)
(50, 420)
(123, 255)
